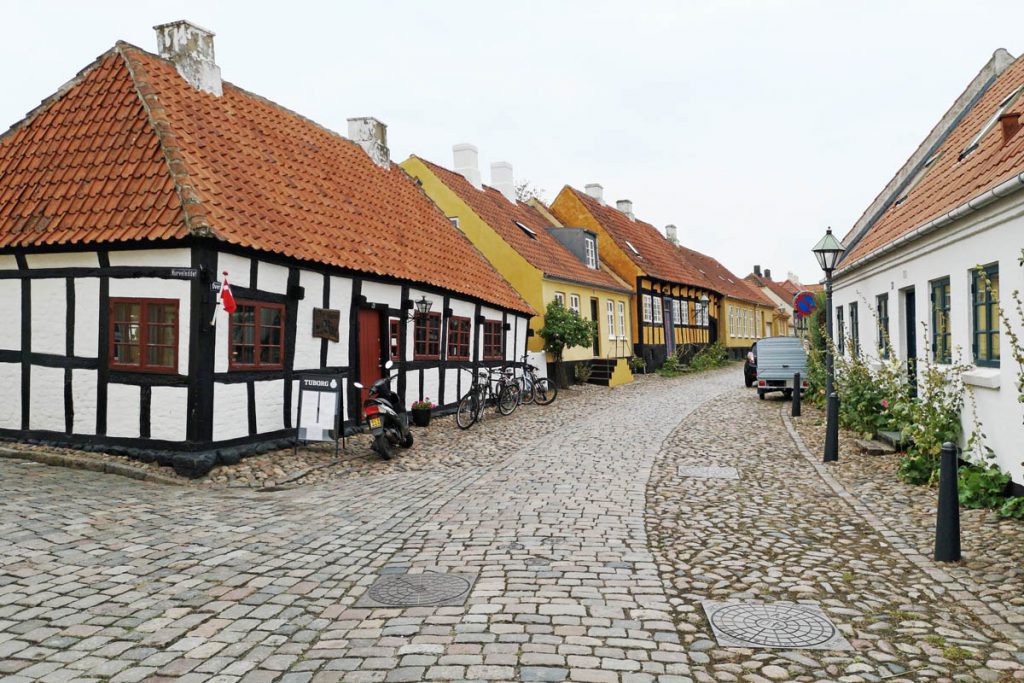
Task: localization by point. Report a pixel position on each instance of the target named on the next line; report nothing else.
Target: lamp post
(828, 250)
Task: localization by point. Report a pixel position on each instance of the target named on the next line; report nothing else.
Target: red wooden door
(370, 362)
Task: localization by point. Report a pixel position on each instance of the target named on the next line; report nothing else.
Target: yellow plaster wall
(608, 348)
(571, 212)
(734, 338)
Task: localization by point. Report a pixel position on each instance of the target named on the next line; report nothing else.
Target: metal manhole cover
(708, 472)
(779, 625)
(418, 590)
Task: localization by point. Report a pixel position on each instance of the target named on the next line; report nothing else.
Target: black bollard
(947, 516)
(796, 395)
(832, 428)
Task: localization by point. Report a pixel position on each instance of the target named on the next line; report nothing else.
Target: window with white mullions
(591, 253)
(622, 320)
(656, 303)
(648, 314)
(610, 311)
(574, 303)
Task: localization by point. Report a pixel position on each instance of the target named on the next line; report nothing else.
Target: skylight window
(1003, 106)
(632, 248)
(918, 178)
(531, 233)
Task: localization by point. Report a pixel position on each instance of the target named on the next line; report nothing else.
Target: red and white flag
(227, 299)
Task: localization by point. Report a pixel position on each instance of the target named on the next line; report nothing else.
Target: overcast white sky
(752, 125)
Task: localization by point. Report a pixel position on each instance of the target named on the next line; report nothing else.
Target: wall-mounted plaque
(326, 322)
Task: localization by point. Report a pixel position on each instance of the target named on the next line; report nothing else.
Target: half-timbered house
(126, 195)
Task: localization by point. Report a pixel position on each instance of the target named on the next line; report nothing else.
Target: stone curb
(967, 597)
(79, 463)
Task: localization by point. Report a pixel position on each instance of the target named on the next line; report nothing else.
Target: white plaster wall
(431, 386)
(412, 387)
(123, 405)
(270, 405)
(158, 288)
(451, 385)
(10, 406)
(10, 311)
(8, 262)
(238, 268)
(991, 236)
(230, 411)
(83, 397)
(152, 257)
(307, 347)
(539, 360)
(341, 299)
(49, 321)
(87, 317)
(380, 293)
(272, 278)
(295, 402)
(47, 399)
(168, 419)
(71, 259)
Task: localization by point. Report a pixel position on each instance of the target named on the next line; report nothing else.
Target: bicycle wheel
(544, 391)
(468, 412)
(479, 403)
(508, 399)
(525, 389)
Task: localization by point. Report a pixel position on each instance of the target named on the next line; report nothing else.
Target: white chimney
(467, 163)
(502, 179)
(190, 47)
(372, 136)
(595, 191)
(672, 234)
(626, 207)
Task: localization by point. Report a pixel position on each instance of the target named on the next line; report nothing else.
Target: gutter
(1004, 189)
(592, 285)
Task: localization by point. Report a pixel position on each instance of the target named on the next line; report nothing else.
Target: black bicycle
(541, 391)
(495, 384)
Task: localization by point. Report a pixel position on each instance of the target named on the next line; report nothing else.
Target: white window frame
(560, 298)
(656, 307)
(574, 304)
(732, 321)
(991, 123)
(591, 249)
(675, 312)
(609, 307)
(622, 319)
(684, 310)
(648, 316)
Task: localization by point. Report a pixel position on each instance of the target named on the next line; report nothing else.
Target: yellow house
(541, 260)
(675, 304)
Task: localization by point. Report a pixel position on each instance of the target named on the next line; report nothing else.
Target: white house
(124, 198)
(910, 268)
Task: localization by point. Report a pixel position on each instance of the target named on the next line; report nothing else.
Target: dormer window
(632, 248)
(528, 231)
(991, 123)
(455, 221)
(918, 178)
(591, 247)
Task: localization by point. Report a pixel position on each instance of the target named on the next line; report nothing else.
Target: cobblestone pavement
(109, 579)
(780, 533)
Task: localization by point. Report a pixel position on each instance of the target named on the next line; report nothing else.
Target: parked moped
(386, 416)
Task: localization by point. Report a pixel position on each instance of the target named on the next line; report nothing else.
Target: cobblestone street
(576, 549)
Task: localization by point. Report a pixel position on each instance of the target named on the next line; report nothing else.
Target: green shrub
(934, 418)
(582, 372)
(637, 364)
(711, 356)
(982, 487)
(670, 368)
(1012, 507)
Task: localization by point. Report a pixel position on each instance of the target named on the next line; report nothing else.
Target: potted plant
(422, 411)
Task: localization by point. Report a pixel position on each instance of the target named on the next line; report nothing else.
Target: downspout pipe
(1004, 189)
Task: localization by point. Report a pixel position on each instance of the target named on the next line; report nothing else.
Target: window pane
(270, 317)
(160, 357)
(162, 313)
(994, 345)
(160, 334)
(983, 351)
(243, 355)
(245, 315)
(126, 312)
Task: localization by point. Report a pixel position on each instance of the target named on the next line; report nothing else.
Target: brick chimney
(372, 136)
(467, 164)
(190, 48)
(1010, 124)
(767, 274)
(757, 271)
(502, 179)
(595, 190)
(672, 234)
(626, 207)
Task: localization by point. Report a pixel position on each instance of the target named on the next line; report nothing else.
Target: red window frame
(144, 330)
(395, 338)
(494, 340)
(458, 338)
(423, 347)
(258, 345)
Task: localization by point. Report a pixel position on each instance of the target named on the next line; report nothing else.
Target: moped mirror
(390, 364)
(357, 385)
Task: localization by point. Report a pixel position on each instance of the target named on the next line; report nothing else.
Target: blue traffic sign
(804, 303)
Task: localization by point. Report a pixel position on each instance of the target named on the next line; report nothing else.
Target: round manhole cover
(783, 626)
(412, 590)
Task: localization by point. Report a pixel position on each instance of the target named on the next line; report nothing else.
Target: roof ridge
(196, 221)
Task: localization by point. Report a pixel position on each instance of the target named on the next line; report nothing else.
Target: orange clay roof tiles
(657, 257)
(722, 280)
(951, 181)
(545, 252)
(128, 151)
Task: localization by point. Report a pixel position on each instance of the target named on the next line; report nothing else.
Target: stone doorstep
(872, 447)
(90, 464)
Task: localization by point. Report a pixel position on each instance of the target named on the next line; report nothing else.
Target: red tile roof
(656, 257)
(722, 280)
(951, 181)
(784, 289)
(545, 252)
(128, 151)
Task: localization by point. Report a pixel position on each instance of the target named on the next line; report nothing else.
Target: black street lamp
(422, 308)
(828, 250)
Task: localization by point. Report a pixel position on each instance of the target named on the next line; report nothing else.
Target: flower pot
(421, 418)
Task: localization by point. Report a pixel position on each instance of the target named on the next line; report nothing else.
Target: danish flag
(227, 299)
